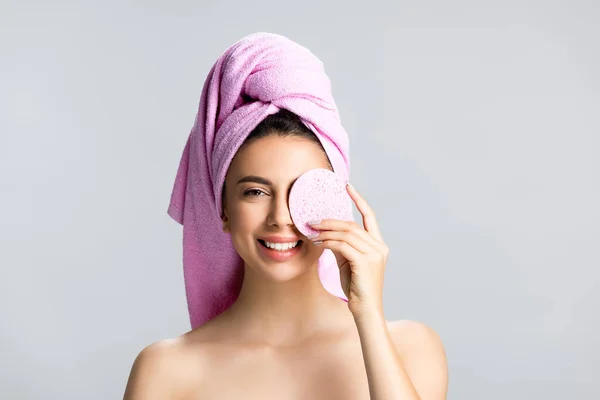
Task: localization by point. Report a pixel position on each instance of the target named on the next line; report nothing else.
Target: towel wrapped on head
(255, 77)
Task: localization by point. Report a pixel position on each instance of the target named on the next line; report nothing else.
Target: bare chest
(335, 372)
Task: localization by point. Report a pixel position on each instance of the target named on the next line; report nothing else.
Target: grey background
(474, 136)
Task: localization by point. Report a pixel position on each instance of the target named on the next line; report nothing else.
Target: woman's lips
(276, 255)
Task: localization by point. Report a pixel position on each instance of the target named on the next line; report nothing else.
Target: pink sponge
(319, 194)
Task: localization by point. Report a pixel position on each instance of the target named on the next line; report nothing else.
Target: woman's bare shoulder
(423, 355)
(162, 370)
(412, 337)
(410, 328)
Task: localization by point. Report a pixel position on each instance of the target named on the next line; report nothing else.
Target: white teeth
(281, 246)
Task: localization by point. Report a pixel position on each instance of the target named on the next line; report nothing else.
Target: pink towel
(253, 78)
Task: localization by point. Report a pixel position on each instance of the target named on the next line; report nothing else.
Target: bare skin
(216, 360)
(285, 337)
(327, 364)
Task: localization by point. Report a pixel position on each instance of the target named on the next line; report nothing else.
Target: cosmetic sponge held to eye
(319, 194)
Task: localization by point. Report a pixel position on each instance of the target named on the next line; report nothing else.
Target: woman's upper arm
(150, 376)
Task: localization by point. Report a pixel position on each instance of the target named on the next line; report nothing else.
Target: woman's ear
(224, 217)
(225, 221)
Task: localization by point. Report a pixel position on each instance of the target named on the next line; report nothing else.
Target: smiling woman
(255, 203)
(285, 335)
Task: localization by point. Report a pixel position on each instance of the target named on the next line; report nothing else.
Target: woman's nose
(280, 212)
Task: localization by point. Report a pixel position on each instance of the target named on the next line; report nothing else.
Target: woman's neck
(285, 313)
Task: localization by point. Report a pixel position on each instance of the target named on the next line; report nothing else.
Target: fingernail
(350, 186)
(315, 222)
(312, 235)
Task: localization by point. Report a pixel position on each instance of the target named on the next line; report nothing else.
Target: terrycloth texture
(253, 78)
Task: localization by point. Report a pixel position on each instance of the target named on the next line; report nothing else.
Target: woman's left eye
(247, 192)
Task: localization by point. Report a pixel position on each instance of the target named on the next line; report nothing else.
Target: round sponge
(319, 194)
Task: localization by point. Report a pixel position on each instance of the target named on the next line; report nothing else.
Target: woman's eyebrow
(256, 179)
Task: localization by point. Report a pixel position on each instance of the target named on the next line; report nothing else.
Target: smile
(283, 253)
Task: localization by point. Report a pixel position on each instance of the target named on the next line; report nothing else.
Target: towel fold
(255, 77)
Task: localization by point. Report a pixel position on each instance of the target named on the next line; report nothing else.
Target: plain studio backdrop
(474, 136)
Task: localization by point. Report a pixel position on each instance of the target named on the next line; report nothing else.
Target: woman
(286, 336)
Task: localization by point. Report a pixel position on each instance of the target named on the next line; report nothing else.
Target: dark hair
(283, 123)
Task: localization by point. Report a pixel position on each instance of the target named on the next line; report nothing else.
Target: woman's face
(254, 209)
